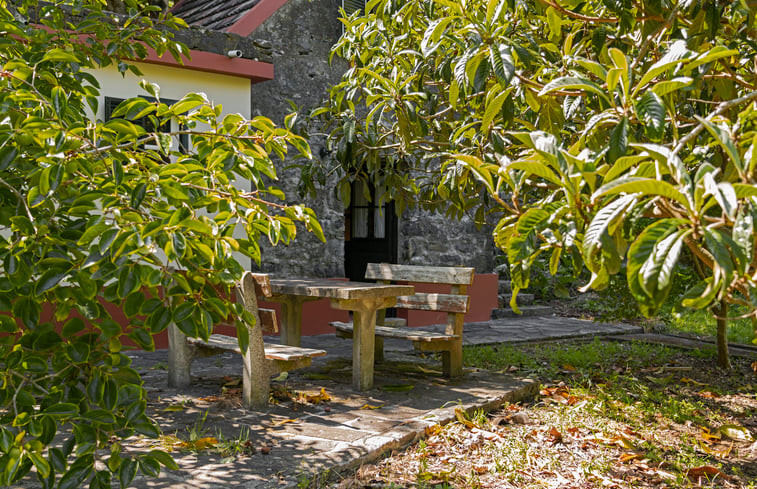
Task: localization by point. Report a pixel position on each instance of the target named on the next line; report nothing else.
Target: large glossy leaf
(723, 137)
(574, 83)
(652, 111)
(539, 169)
(677, 52)
(723, 193)
(502, 63)
(642, 186)
(603, 221)
(618, 145)
(641, 250)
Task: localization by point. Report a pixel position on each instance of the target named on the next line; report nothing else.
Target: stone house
(298, 35)
(295, 36)
(253, 56)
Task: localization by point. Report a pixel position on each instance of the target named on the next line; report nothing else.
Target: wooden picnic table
(362, 298)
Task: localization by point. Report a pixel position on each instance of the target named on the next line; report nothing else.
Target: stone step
(525, 310)
(505, 287)
(524, 299)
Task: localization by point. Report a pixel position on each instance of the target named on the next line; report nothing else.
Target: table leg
(362, 349)
(291, 329)
(363, 335)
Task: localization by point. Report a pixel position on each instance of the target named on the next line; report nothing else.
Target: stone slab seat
(260, 362)
(455, 304)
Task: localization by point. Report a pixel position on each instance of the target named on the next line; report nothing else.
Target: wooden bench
(455, 304)
(260, 361)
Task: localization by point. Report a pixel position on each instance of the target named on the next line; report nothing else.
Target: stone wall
(300, 35)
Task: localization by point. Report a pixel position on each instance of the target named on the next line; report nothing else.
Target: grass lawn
(610, 414)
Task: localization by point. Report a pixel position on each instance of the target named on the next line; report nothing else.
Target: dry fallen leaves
(322, 396)
(368, 406)
(705, 472)
(199, 444)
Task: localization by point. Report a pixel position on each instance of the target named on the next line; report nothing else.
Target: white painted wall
(233, 93)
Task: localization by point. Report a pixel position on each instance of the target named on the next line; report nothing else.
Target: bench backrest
(458, 278)
(261, 284)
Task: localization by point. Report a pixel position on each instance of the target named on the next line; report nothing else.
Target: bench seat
(259, 363)
(273, 351)
(413, 334)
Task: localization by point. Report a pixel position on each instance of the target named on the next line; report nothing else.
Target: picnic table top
(336, 289)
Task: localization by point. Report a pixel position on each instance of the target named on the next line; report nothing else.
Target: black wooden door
(370, 231)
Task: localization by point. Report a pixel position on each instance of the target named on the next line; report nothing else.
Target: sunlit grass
(702, 323)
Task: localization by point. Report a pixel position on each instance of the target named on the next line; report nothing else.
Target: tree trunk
(722, 322)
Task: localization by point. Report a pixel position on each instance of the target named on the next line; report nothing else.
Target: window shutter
(351, 6)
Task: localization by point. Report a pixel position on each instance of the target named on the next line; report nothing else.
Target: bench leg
(378, 349)
(179, 358)
(255, 376)
(452, 360)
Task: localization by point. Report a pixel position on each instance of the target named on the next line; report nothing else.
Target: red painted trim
(256, 71)
(255, 16)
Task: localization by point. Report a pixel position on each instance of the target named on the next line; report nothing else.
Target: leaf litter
(615, 426)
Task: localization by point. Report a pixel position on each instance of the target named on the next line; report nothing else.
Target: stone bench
(260, 362)
(455, 304)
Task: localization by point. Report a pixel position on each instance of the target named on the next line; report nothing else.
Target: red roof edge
(255, 71)
(255, 16)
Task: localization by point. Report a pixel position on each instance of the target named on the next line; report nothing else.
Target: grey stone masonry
(301, 34)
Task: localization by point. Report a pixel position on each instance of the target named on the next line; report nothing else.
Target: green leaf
(188, 102)
(536, 168)
(642, 250)
(618, 145)
(502, 64)
(62, 410)
(173, 190)
(40, 463)
(651, 110)
(723, 136)
(665, 87)
(57, 54)
(493, 109)
(574, 83)
(675, 54)
(643, 186)
(100, 416)
(723, 193)
(164, 458)
(603, 220)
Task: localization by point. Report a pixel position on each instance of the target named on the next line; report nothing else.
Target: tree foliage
(609, 134)
(96, 213)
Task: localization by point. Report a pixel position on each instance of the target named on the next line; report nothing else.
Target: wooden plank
(435, 302)
(290, 353)
(262, 284)
(268, 320)
(422, 274)
(334, 289)
(272, 351)
(412, 334)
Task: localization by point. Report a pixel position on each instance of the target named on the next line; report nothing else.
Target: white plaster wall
(232, 93)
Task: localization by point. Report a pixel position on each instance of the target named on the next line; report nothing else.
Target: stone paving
(296, 441)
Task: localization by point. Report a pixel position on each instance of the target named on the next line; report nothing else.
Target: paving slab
(295, 440)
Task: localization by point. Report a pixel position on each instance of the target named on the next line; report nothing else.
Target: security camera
(234, 53)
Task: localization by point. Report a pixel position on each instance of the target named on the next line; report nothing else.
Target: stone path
(296, 441)
(303, 440)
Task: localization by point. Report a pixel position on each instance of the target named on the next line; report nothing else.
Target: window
(183, 139)
(365, 217)
(351, 6)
